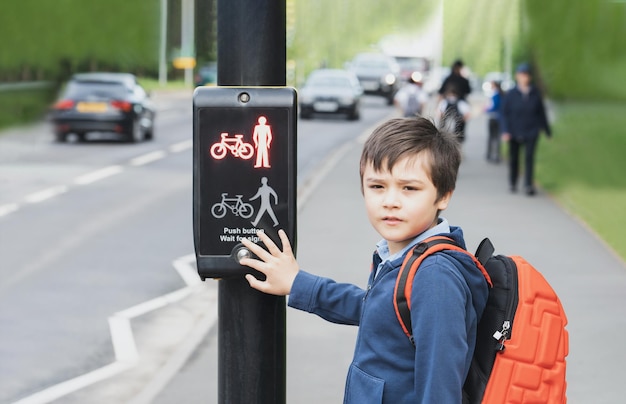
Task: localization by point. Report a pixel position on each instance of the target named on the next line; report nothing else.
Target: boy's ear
(443, 202)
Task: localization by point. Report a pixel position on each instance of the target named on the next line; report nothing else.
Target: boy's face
(402, 203)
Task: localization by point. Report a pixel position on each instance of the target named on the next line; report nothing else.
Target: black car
(104, 102)
(379, 74)
(331, 91)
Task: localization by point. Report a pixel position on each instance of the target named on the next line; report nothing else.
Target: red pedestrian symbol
(262, 137)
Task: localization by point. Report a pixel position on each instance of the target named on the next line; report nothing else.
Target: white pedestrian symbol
(265, 192)
(262, 137)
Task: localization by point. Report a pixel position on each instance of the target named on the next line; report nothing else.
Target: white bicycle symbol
(235, 145)
(236, 205)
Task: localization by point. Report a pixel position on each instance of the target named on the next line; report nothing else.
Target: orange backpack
(521, 341)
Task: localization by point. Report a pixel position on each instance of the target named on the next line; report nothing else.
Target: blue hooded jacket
(448, 298)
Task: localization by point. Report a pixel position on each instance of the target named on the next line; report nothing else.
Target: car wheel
(149, 135)
(354, 114)
(136, 134)
(61, 137)
(305, 114)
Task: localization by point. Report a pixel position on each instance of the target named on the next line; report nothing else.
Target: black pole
(251, 51)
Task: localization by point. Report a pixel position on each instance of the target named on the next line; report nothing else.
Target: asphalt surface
(335, 239)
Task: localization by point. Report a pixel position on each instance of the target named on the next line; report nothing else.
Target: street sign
(184, 62)
(244, 172)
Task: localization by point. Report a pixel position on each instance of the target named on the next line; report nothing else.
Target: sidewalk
(336, 240)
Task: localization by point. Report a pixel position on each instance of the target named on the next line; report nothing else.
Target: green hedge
(580, 47)
(24, 105)
(46, 39)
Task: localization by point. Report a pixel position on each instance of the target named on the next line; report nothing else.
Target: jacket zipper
(506, 330)
(367, 291)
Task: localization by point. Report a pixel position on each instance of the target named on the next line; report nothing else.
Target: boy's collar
(382, 248)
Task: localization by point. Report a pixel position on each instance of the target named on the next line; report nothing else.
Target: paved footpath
(335, 239)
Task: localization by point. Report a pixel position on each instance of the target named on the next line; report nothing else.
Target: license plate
(370, 85)
(91, 107)
(326, 106)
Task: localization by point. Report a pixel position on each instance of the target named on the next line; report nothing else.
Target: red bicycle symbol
(235, 145)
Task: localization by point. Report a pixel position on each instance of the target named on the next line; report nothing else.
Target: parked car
(378, 74)
(104, 102)
(333, 91)
(206, 75)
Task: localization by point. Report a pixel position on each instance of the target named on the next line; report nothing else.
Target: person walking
(410, 99)
(523, 117)
(456, 80)
(493, 112)
(453, 112)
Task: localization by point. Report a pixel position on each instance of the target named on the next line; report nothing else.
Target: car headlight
(390, 79)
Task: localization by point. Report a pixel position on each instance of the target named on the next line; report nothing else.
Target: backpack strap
(484, 251)
(412, 261)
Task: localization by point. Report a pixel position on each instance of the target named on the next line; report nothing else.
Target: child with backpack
(410, 99)
(453, 112)
(408, 173)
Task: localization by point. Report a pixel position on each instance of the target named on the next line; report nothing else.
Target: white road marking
(306, 190)
(8, 208)
(48, 193)
(147, 158)
(122, 338)
(98, 175)
(187, 270)
(181, 146)
(62, 389)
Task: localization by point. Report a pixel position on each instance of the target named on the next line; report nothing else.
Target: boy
(410, 99)
(408, 173)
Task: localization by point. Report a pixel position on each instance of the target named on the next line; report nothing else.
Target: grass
(153, 84)
(22, 106)
(584, 166)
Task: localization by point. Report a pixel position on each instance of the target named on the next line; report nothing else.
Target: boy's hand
(279, 267)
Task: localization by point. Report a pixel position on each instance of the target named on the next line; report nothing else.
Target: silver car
(331, 91)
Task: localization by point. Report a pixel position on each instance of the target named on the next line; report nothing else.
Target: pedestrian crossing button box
(244, 172)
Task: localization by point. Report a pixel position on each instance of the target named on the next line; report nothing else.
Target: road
(88, 230)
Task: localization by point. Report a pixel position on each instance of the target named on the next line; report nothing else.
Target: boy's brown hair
(403, 137)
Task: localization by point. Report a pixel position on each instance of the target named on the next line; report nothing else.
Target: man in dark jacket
(523, 117)
(456, 80)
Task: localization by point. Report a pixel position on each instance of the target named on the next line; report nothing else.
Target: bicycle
(235, 145)
(236, 205)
